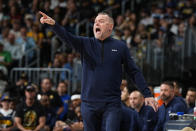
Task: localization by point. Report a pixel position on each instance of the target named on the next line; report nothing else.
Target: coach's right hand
(46, 19)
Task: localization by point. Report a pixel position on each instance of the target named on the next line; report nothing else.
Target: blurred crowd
(48, 105)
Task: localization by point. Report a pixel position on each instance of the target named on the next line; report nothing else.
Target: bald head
(136, 100)
(138, 93)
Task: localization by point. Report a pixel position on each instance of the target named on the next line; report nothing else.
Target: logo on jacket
(115, 50)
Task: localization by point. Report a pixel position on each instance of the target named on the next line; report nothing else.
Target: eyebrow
(100, 19)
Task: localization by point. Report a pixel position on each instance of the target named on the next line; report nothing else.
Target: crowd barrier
(36, 74)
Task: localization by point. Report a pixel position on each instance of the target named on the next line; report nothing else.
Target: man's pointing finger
(43, 14)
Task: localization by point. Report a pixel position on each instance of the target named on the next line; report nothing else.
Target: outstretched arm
(75, 41)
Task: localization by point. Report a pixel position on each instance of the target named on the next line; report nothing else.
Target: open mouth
(98, 30)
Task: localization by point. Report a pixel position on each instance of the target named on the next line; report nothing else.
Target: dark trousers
(101, 116)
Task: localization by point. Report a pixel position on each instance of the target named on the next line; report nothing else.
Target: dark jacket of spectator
(174, 106)
(130, 120)
(148, 118)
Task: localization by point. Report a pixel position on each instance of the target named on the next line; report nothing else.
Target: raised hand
(46, 19)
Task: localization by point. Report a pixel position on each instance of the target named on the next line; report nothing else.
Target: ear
(111, 27)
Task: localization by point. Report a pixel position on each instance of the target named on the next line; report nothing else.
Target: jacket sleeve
(72, 40)
(134, 72)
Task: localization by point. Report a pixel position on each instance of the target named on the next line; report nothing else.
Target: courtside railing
(36, 74)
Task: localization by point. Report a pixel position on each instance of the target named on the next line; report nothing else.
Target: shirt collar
(105, 40)
(169, 103)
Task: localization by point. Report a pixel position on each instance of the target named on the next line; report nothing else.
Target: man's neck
(104, 37)
(29, 103)
(168, 101)
(6, 109)
(191, 105)
(139, 108)
(44, 90)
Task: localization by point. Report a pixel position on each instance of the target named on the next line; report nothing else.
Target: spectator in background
(27, 43)
(3, 83)
(177, 89)
(145, 19)
(18, 89)
(4, 35)
(56, 45)
(36, 34)
(73, 119)
(125, 96)
(28, 20)
(62, 92)
(62, 58)
(191, 99)
(78, 113)
(119, 20)
(14, 48)
(30, 114)
(130, 118)
(12, 104)
(148, 117)
(124, 84)
(191, 21)
(6, 114)
(5, 59)
(49, 113)
(16, 25)
(117, 34)
(127, 36)
(179, 38)
(171, 104)
(6, 22)
(47, 5)
(1, 12)
(86, 10)
(68, 65)
(77, 71)
(55, 100)
(75, 101)
(71, 17)
(56, 63)
(175, 24)
(141, 29)
(15, 13)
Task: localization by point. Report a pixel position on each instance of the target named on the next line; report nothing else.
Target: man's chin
(164, 98)
(98, 36)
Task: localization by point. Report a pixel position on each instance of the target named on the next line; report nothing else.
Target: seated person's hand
(77, 126)
(46, 128)
(60, 126)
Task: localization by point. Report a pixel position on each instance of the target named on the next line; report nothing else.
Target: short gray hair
(110, 17)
